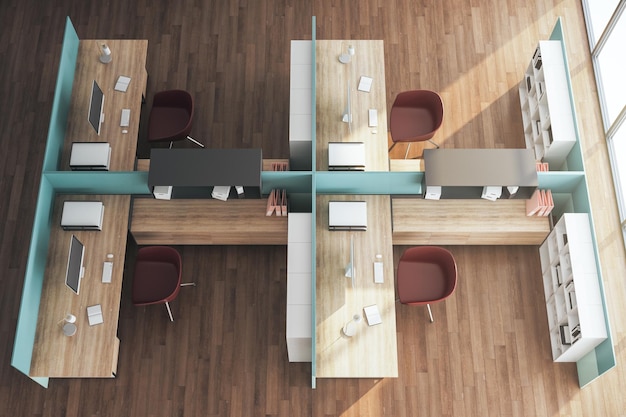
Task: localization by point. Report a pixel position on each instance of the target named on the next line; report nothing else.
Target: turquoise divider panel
(33, 283)
(597, 362)
(62, 98)
(372, 182)
(292, 181)
(560, 181)
(313, 198)
(99, 182)
(574, 159)
(40, 238)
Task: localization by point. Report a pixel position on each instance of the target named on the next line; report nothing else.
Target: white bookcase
(299, 308)
(571, 287)
(546, 106)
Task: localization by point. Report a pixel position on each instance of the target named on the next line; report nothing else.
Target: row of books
(277, 203)
(540, 203)
(543, 167)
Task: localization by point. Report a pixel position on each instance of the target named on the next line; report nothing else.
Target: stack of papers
(94, 314)
(365, 84)
(372, 315)
(122, 83)
(220, 192)
(491, 193)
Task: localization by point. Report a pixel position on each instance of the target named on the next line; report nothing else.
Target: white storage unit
(299, 308)
(300, 106)
(571, 287)
(546, 106)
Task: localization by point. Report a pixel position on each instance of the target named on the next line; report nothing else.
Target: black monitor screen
(74, 265)
(95, 106)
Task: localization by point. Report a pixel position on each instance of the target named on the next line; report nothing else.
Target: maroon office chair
(415, 117)
(171, 117)
(157, 277)
(426, 275)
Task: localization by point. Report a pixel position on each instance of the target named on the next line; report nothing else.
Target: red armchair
(157, 277)
(426, 275)
(415, 117)
(171, 117)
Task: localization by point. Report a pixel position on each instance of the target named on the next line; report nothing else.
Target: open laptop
(346, 156)
(347, 215)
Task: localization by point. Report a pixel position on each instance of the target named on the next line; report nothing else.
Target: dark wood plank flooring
(487, 354)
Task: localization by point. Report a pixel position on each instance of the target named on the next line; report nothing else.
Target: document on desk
(372, 314)
(365, 84)
(122, 83)
(94, 314)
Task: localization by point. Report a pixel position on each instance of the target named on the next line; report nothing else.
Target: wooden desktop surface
(417, 221)
(332, 80)
(372, 352)
(129, 59)
(92, 351)
(206, 222)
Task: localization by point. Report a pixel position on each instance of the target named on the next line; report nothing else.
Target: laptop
(347, 215)
(346, 156)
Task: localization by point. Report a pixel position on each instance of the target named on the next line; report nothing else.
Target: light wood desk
(92, 351)
(332, 80)
(372, 352)
(417, 221)
(129, 59)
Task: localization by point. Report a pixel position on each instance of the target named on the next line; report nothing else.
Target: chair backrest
(172, 99)
(440, 256)
(163, 254)
(416, 116)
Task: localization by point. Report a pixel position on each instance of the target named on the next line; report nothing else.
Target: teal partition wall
(38, 250)
(99, 182)
(574, 182)
(55, 181)
(313, 198)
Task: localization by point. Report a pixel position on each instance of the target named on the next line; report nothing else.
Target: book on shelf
(277, 203)
(566, 336)
(540, 203)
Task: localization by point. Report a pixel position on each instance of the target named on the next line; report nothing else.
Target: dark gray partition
(194, 172)
(462, 173)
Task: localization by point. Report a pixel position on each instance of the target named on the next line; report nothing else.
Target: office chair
(157, 276)
(171, 117)
(415, 117)
(426, 275)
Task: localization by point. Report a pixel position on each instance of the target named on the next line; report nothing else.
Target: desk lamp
(69, 325)
(105, 54)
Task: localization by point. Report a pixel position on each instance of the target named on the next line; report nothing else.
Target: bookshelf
(546, 106)
(573, 301)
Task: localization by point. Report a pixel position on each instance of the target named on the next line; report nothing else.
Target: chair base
(167, 304)
(409, 147)
(430, 313)
(190, 139)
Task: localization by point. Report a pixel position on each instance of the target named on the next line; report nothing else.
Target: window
(597, 14)
(606, 27)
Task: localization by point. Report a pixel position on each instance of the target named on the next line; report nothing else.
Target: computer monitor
(75, 269)
(96, 104)
(350, 269)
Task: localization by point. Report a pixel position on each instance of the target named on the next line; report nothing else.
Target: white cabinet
(571, 287)
(299, 309)
(547, 107)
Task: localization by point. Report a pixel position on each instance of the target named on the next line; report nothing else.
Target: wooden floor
(487, 353)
